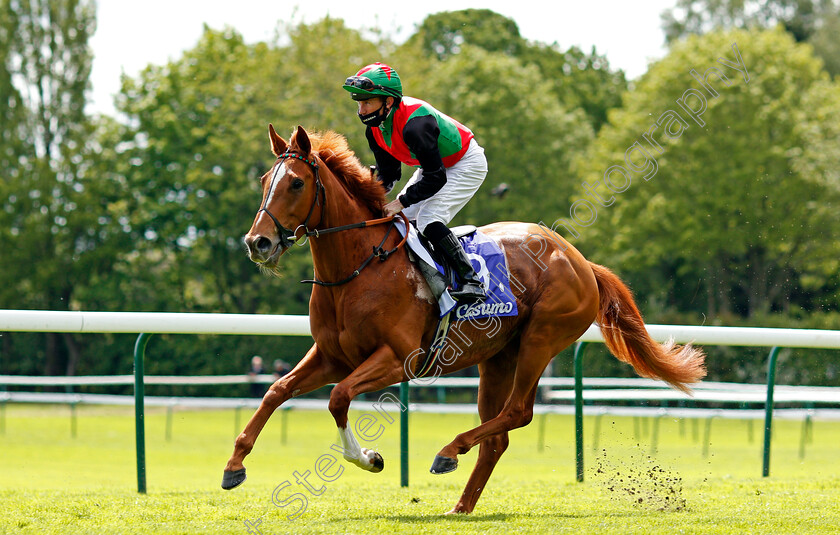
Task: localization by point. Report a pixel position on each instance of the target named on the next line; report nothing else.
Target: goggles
(366, 84)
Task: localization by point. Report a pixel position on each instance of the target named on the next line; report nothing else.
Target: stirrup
(470, 292)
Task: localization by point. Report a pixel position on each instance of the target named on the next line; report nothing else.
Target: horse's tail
(626, 337)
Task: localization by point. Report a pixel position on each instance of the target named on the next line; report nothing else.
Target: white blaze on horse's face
(278, 174)
(284, 194)
(281, 197)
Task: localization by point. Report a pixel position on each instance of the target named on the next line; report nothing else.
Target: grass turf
(54, 483)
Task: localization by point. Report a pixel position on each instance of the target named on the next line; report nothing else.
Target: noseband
(289, 237)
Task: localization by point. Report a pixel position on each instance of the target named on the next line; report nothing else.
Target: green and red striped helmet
(376, 79)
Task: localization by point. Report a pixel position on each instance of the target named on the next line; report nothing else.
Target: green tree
(578, 79)
(317, 60)
(825, 42)
(444, 34)
(814, 21)
(529, 138)
(696, 17)
(725, 223)
(196, 159)
(52, 238)
(12, 149)
(818, 160)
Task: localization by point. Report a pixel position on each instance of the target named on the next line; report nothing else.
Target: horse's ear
(278, 144)
(300, 142)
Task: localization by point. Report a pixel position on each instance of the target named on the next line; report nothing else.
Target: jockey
(451, 164)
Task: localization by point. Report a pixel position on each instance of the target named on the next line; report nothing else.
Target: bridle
(289, 237)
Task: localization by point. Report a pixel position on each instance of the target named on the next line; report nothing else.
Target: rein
(378, 251)
(289, 237)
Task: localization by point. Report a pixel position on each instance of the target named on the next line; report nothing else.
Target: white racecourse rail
(146, 323)
(152, 322)
(268, 324)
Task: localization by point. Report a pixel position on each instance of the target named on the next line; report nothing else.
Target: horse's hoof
(233, 479)
(443, 465)
(378, 463)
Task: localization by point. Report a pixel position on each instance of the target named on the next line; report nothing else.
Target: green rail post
(768, 409)
(404, 434)
(654, 437)
(169, 410)
(596, 434)
(803, 437)
(236, 418)
(72, 405)
(541, 432)
(707, 436)
(284, 424)
(579, 348)
(139, 410)
(73, 420)
(3, 397)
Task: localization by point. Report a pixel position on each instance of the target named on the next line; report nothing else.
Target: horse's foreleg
(364, 458)
(312, 372)
(378, 371)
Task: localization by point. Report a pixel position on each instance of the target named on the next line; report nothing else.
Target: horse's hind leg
(493, 389)
(534, 355)
(312, 372)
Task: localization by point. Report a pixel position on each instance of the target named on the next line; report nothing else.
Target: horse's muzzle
(262, 248)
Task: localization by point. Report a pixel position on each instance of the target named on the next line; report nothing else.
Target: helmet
(376, 79)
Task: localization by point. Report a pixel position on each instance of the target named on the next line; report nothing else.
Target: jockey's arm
(421, 136)
(388, 167)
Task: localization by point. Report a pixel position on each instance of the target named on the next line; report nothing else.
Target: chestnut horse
(378, 314)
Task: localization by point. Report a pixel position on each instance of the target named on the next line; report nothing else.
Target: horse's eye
(297, 184)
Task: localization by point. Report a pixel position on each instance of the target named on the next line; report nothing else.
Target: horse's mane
(333, 150)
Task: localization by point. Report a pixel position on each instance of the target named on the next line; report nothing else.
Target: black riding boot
(472, 289)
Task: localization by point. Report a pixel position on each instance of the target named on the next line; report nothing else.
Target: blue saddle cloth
(490, 264)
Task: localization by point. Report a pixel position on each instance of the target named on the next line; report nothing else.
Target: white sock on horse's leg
(361, 457)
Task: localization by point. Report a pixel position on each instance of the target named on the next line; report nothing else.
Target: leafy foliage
(146, 212)
(812, 21)
(578, 80)
(727, 220)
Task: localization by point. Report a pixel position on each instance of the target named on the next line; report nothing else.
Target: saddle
(442, 277)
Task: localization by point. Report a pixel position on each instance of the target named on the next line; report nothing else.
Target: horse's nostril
(263, 244)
